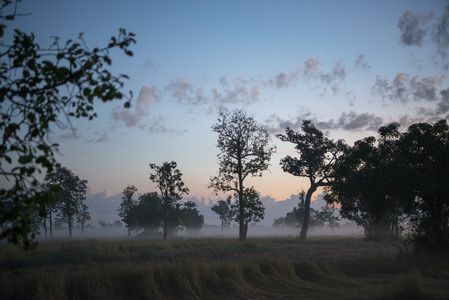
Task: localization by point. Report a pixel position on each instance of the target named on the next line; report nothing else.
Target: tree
(42, 87)
(125, 207)
(327, 215)
(168, 180)
(83, 216)
(366, 184)
(317, 154)
(225, 212)
(253, 210)
(245, 149)
(424, 148)
(147, 214)
(193, 220)
(71, 194)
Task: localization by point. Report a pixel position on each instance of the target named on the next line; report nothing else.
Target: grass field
(261, 268)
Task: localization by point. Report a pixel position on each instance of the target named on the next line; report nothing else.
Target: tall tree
(41, 87)
(125, 207)
(225, 212)
(245, 149)
(317, 154)
(71, 194)
(168, 180)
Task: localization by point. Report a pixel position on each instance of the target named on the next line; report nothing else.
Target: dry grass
(275, 268)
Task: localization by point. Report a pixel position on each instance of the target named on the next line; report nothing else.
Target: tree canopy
(168, 180)
(245, 150)
(317, 154)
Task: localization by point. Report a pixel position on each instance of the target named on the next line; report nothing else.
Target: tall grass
(219, 269)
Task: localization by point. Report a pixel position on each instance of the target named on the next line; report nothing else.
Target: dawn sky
(349, 66)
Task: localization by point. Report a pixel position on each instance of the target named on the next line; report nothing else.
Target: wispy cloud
(132, 117)
(351, 121)
(338, 73)
(441, 38)
(406, 89)
(413, 27)
(361, 63)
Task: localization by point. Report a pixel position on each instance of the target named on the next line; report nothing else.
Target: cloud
(284, 80)
(441, 37)
(311, 66)
(347, 121)
(130, 118)
(338, 73)
(413, 27)
(404, 89)
(365, 121)
(184, 92)
(361, 63)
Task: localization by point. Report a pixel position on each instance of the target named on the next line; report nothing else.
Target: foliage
(225, 212)
(253, 208)
(366, 184)
(400, 177)
(245, 149)
(125, 207)
(70, 195)
(146, 214)
(317, 155)
(318, 218)
(193, 220)
(43, 87)
(168, 180)
(424, 148)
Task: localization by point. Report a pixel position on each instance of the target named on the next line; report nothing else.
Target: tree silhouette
(125, 207)
(41, 87)
(225, 212)
(245, 149)
(317, 154)
(70, 195)
(169, 182)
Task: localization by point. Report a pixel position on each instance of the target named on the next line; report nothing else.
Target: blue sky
(350, 66)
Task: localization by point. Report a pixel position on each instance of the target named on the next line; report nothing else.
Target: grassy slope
(265, 268)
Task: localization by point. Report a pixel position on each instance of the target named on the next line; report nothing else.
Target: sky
(349, 66)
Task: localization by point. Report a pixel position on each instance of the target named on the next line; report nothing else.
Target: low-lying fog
(347, 229)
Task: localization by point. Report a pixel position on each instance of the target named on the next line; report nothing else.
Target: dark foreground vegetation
(265, 268)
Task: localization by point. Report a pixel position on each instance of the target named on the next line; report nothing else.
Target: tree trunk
(165, 227)
(305, 223)
(69, 219)
(242, 233)
(51, 225)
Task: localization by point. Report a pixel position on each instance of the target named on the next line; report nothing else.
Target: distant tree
(42, 87)
(253, 211)
(83, 216)
(245, 149)
(147, 214)
(327, 215)
(317, 154)
(168, 180)
(295, 218)
(118, 224)
(125, 207)
(225, 212)
(71, 194)
(193, 220)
